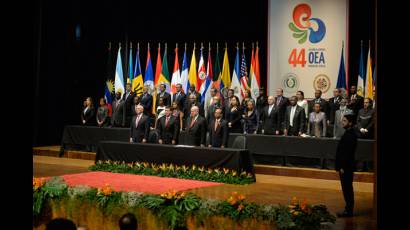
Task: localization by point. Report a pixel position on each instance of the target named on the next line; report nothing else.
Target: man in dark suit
(216, 103)
(166, 97)
(196, 128)
(270, 118)
(218, 131)
(128, 98)
(146, 100)
(139, 126)
(261, 102)
(192, 101)
(179, 97)
(117, 111)
(281, 103)
(324, 105)
(334, 104)
(345, 163)
(192, 91)
(168, 128)
(227, 100)
(294, 119)
(355, 101)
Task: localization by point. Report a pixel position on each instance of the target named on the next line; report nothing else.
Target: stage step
(259, 169)
(54, 151)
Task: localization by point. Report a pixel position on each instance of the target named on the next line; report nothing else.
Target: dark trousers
(292, 131)
(346, 179)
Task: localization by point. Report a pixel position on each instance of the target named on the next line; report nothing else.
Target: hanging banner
(305, 42)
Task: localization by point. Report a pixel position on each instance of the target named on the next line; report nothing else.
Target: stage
(268, 189)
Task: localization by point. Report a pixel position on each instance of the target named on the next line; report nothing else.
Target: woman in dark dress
(178, 114)
(102, 114)
(251, 118)
(234, 115)
(88, 113)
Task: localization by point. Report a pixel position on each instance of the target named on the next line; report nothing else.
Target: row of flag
(366, 81)
(204, 77)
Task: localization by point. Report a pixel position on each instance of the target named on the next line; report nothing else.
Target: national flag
(109, 85)
(109, 88)
(176, 76)
(158, 70)
(184, 74)
(226, 72)
(236, 85)
(244, 79)
(130, 68)
(360, 78)
(369, 78)
(192, 79)
(137, 82)
(256, 84)
(149, 74)
(206, 95)
(216, 81)
(119, 77)
(341, 79)
(201, 75)
(164, 76)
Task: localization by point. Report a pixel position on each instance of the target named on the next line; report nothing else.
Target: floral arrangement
(193, 172)
(173, 208)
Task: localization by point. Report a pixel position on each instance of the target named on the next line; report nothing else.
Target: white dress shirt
(292, 114)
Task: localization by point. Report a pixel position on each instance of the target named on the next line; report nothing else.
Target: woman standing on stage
(88, 113)
(178, 114)
(234, 115)
(251, 118)
(102, 114)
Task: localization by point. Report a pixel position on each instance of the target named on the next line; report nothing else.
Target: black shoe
(344, 214)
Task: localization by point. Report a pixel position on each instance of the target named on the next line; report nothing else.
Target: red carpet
(137, 183)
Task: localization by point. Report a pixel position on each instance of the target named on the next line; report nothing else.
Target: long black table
(236, 159)
(264, 148)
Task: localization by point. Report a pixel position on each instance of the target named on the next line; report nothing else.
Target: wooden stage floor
(268, 189)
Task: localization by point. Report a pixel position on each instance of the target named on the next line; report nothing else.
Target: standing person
(88, 113)
(356, 101)
(365, 120)
(192, 101)
(227, 100)
(165, 96)
(179, 96)
(345, 163)
(168, 128)
(216, 103)
(270, 118)
(128, 98)
(211, 101)
(334, 104)
(261, 101)
(117, 111)
(178, 114)
(302, 102)
(234, 115)
(338, 129)
(295, 119)
(160, 111)
(102, 114)
(324, 105)
(218, 131)
(317, 122)
(139, 126)
(192, 91)
(251, 118)
(281, 103)
(196, 128)
(146, 100)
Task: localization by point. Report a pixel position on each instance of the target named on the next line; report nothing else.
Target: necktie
(278, 101)
(216, 124)
(137, 120)
(192, 123)
(166, 122)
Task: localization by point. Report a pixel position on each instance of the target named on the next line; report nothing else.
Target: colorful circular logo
(321, 82)
(302, 25)
(290, 83)
(202, 75)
